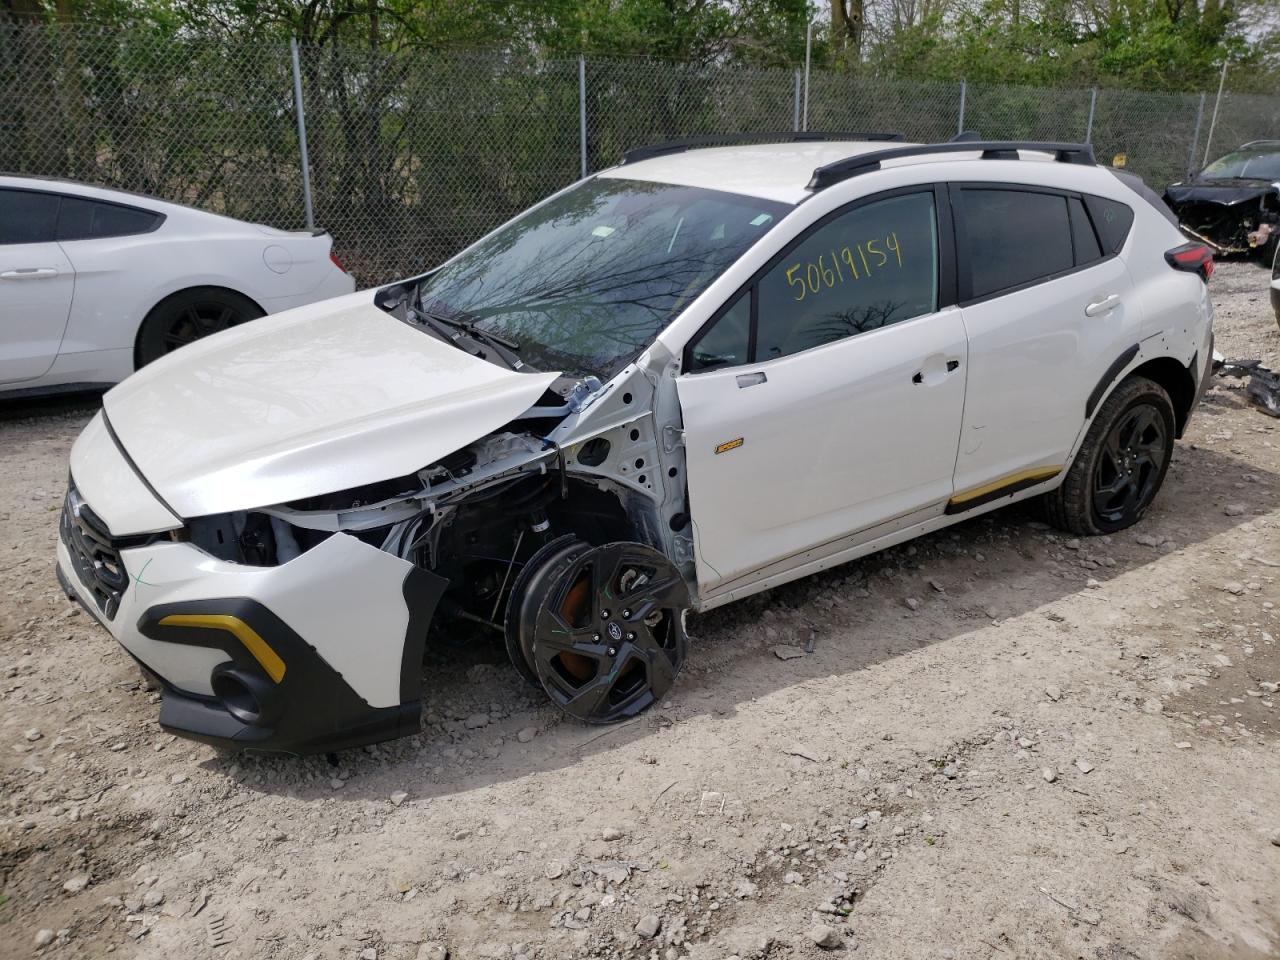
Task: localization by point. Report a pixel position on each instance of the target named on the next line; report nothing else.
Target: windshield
(585, 282)
(1245, 165)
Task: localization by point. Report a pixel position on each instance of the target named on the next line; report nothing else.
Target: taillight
(1193, 258)
(336, 262)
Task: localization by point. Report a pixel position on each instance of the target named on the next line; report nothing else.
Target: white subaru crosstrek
(686, 379)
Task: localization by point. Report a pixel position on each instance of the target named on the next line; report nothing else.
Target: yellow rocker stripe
(269, 659)
(1022, 476)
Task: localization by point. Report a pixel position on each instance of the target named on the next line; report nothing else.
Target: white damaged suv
(686, 379)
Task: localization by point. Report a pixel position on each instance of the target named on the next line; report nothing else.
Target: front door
(826, 398)
(36, 284)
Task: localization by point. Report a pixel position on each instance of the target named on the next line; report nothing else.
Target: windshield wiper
(454, 330)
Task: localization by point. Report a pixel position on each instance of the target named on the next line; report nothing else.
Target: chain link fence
(413, 155)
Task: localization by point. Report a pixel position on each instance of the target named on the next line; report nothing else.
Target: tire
(1121, 465)
(519, 620)
(189, 315)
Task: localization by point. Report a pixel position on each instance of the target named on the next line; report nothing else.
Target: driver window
(868, 268)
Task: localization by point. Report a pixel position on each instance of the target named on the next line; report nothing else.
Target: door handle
(952, 367)
(1102, 306)
(29, 273)
(751, 379)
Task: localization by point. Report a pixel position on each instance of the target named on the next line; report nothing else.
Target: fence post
(582, 113)
(1195, 137)
(808, 50)
(795, 122)
(1213, 121)
(1093, 103)
(963, 93)
(302, 133)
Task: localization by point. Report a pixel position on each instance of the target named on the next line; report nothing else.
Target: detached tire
(1121, 464)
(189, 315)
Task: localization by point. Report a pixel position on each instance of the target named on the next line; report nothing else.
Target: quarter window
(868, 268)
(82, 219)
(1014, 237)
(1112, 219)
(727, 341)
(27, 216)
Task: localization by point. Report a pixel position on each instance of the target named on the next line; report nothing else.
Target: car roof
(772, 171)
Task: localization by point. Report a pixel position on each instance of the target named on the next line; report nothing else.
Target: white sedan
(95, 283)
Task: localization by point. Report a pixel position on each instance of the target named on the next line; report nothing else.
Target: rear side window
(27, 216)
(1083, 239)
(1015, 237)
(1112, 219)
(82, 219)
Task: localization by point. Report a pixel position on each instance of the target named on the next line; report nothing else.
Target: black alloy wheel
(609, 636)
(188, 316)
(1129, 466)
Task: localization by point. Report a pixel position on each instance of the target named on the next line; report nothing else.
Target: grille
(95, 555)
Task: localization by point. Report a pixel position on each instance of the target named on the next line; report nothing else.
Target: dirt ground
(1059, 748)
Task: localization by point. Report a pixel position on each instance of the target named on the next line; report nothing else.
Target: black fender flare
(1113, 373)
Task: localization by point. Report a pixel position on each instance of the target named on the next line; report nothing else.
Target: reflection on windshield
(1245, 165)
(585, 282)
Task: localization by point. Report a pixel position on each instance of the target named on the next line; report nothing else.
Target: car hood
(1226, 192)
(314, 400)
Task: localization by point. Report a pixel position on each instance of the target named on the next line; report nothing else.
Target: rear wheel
(608, 636)
(189, 315)
(1121, 464)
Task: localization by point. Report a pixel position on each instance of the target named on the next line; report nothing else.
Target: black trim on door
(964, 269)
(947, 272)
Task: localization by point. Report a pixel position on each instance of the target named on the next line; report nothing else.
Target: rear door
(1048, 307)
(826, 397)
(36, 284)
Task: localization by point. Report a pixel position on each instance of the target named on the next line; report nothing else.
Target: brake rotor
(608, 637)
(521, 614)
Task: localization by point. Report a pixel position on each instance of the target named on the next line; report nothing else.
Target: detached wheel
(1121, 464)
(608, 629)
(187, 316)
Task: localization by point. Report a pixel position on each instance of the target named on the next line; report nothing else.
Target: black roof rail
(730, 139)
(833, 173)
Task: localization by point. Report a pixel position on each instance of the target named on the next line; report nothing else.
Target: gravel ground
(1064, 748)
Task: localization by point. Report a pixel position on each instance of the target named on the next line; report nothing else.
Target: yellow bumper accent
(1035, 474)
(269, 659)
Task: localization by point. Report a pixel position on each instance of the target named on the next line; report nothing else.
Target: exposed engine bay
(583, 467)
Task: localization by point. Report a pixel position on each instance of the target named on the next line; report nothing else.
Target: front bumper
(318, 654)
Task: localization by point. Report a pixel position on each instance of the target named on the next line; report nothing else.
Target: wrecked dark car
(1233, 204)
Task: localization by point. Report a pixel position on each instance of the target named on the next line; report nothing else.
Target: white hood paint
(309, 401)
